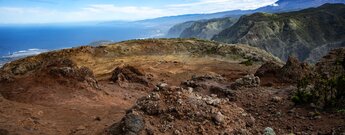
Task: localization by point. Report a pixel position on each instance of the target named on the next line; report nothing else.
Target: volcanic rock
(6, 77)
(333, 64)
(246, 81)
(268, 69)
(294, 71)
(67, 69)
(269, 131)
(176, 106)
(129, 74)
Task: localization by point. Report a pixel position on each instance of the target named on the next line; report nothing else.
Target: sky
(65, 11)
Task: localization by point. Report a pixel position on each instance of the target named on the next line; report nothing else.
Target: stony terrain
(160, 86)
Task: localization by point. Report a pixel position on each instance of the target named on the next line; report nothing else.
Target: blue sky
(61, 11)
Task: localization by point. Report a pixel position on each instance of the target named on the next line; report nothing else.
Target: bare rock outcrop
(268, 69)
(332, 64)
(291, 72)
(67, 69)
(6, 77)
(294, 70)
(246, 81)
(174, 110)
(129, 74)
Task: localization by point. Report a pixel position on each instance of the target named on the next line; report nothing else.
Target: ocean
(20, 41)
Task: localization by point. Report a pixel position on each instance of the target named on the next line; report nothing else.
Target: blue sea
(21, 41)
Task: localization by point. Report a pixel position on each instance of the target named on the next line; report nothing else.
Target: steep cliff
(294, 33)
(176, 30)
(207, 29)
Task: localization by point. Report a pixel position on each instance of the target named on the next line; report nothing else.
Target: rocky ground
(165, 86)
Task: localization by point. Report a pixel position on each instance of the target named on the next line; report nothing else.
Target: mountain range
(307, 34)
(294, 33)
(234, 85)
(163, 24)
(279, 6)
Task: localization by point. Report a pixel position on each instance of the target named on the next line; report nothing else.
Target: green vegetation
(248, 62)
(331, 92)
(284, 34)
(328, 93)
(302, 94)
(206, 29)
(341, 111)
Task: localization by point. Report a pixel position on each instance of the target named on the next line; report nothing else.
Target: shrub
(248, 62)
(302, 95)
(326, 93)
(330, 93)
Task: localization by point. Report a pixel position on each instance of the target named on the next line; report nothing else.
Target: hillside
(177, 29)
(206, 29)
(159, 86)
(294, 33)
(163, 24)
(70, 91)
(279, 7)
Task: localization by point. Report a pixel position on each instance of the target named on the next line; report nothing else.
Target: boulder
(269, 131)
(268, 69)
(162, 85)
(246, 81)
(219, 118)
(277, 99)
(294, 70)
(291, 72)
(131, 124)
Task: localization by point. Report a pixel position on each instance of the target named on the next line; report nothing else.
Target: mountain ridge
(279, 6)
(292, 33)
(165, 23)
(207, 29)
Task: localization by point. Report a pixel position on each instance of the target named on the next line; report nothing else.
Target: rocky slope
(156, 86)
(301, 33)
(207, 29)
(177, 29)
(84, 90)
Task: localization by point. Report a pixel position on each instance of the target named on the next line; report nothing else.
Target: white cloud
(112, 12)
(210, 6)
(126, 13)
(90, 13)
